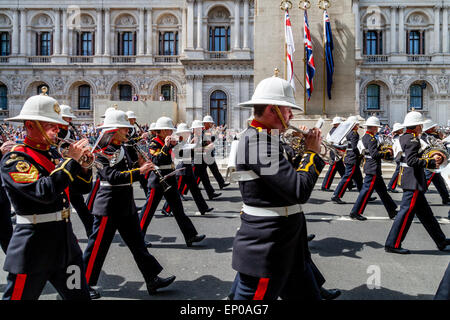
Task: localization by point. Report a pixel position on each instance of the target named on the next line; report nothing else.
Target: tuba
(436, 146)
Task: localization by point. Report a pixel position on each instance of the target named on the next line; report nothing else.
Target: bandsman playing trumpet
(370, 149)
(43, 244)
(412, 181)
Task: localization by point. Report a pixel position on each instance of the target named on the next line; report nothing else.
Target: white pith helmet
(41, 108)
(429, 124)
(182, 128)
(372, 122)
(337, 120)
(152, 125)
(397, 127)
(208, 119)
(131, 114)
(413, 119)
(197, 124)
(352, 119)
(164, 123)
(116, 119)
(273, 91)
(115, 107)
(66, 111)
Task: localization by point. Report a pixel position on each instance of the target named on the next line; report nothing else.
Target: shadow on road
(333, 247)
(219, 245)
(364, 293)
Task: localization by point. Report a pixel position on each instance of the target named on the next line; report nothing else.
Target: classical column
(393, 29)
(57, 40)
(445, 30)
(141, 35)
(149, 32)
(23, 33)
(190, 24)
(99, 39)
(199, 23)
(65, 34)
(190, 98)
(235, 110)
(401, 30)
(183, 29)
(236, 24)
(107, 32)
(357, 29)
(246, 11)
(437, 23)
(15, 34)
(198, 97)
(245, 96)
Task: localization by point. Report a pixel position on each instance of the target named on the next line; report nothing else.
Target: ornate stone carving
(398, 82)
(417, 19)
(58, 82)
(16, 83)
(87, 20)
(443, 83)
(4, 21)
(44, 20)
(126, 20)
(167, 20)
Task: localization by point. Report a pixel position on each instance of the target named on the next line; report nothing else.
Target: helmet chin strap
(44, 134)
(280, 116)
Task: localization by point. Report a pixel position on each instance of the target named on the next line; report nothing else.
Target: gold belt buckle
(65, 214)
(286, 210)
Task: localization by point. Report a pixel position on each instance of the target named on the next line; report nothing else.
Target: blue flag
(328, 51)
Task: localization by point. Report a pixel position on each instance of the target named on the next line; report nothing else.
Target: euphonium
(436, 146)
(386, 143)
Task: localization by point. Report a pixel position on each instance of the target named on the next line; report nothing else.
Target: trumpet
(87, 160)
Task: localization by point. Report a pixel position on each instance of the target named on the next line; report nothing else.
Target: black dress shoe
(167, 214)
(325, 189)
(337, 200)
(148, 244)
(214, 195)
(358, 217)
(310, 237)
(207, 210)
(224, 185)
(372, 199)
(442, 246)
(392, 215)
(196, 238)
(329, 294)
(158, 283)
(397, 250)
(392, 191)
(93, 294)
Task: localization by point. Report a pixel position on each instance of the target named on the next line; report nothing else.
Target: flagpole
(285, 6)
(304, 5)
(324, 4)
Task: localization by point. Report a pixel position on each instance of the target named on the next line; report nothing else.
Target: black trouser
(373, 182)
(443, 292)
(188, 182)
(439, 183)
(173, 198)
(104, 229)
(70, 283)
(216, 173)
(6, 228)
(200, 171)
(394, 180)
(91, 196)
(337, 166)
(413, 202)
(143, 181)
(352, 172)
(85, 215)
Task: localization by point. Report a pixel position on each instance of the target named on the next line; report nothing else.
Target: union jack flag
(290, 50)
(310, 66)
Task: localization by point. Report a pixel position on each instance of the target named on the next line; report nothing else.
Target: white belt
(243, 176)
(404, 165)
(165, 167)
(368, 157)
(43, 218)
(107, 184)
(272, 211)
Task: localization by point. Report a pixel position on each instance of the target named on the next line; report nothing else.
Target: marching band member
(208, 138)
(43, 244)
(270, 250)
(161, 155)
(76, 199)
(412, 181)
(372, 168)
(397, 131)
(429, 130)
(114, 210)
(6, 227)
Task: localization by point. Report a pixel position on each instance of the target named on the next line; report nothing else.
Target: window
(124, 92)
(168, 43)
(219, 38)
(44, 44)
(84, 97)
(167, 92)
(218, 107)
(39, 89)
(3, 97)
(373, 97)
(373, 43)
(85, 44)
(127, 43)
(416, 97)
(416, 42)
(4, 44)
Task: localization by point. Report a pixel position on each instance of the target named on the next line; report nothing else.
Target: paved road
(344, 250)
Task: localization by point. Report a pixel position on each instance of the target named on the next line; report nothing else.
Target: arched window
(125, 92)
(218, 107)
(3, 97)
(373, 97)
(167, 91)
(219, 29)
(416, 96)
(84, 97)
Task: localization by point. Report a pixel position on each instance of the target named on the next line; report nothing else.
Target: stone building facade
(198, 53)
